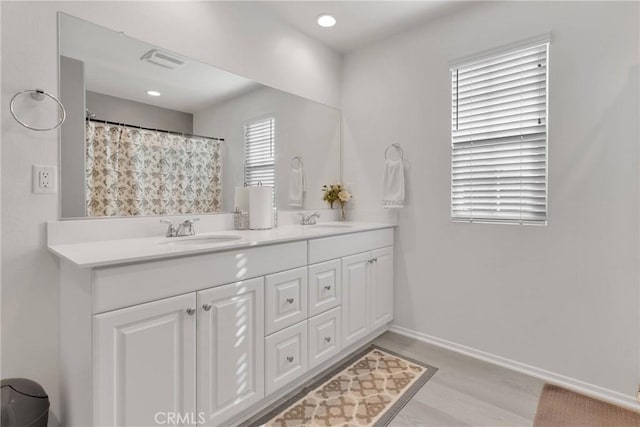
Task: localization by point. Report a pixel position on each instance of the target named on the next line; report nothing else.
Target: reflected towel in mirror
(297, 185)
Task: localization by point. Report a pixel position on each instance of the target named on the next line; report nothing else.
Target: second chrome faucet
(309, 220)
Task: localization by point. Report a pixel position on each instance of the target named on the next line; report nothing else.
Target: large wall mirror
(151, 132)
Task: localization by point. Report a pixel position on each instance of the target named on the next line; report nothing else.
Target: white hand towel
(393, 185)
(297, 186)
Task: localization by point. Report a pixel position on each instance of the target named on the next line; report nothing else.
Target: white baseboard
(592, 390)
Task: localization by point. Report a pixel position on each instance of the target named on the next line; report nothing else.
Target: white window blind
(499, 138)
(259, 143)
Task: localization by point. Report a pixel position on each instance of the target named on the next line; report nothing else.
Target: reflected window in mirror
(259, 146)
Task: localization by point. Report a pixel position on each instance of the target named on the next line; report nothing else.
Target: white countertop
(121, 251)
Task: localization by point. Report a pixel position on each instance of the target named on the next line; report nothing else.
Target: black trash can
(24, 403)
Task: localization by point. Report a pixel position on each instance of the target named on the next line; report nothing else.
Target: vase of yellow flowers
(336, 193)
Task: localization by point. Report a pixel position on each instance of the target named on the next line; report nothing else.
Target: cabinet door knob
(290, 300)
(327, 339)
(289, 359)
(327, 287)
(375, 259)
(191, 311)
(370, 261)
(206, 307)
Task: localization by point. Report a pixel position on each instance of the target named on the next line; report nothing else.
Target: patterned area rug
(367, 390)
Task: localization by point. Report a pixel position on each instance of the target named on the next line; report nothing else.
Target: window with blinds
(259, 143)
(499, 138)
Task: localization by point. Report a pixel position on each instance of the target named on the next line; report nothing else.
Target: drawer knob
(327, 287)
(289, 359)
(206, 307)
(290, 300)
(327, 339)
(191, 311)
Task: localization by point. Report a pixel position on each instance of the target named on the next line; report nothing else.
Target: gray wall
(120, 110)
(563, 298)
(72, 195)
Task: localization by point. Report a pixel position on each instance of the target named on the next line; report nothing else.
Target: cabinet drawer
(324, 286)
(285, 299)
(324, 336)
(126, 285)
(328, 248)
(285, 356)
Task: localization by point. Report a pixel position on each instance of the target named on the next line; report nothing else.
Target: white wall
(302, 127)
(562, 297)
(239, 37)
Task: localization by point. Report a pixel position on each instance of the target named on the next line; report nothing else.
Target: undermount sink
(330, 226)
(200, 240)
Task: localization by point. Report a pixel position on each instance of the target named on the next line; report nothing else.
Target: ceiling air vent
(163, 59)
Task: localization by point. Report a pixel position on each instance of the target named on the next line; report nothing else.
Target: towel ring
(397, 147)
(299, 159)
(38, 95)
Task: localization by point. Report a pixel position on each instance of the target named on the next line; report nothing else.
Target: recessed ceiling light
(153, 93)
(326, 20)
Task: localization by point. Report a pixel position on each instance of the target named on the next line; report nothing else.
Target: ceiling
(359, 22)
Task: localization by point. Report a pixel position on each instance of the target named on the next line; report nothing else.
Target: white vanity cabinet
(213, 338)
(145, 362)
(145, 357)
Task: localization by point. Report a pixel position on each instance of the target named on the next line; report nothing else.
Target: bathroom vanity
(218, 326)
(212, 328)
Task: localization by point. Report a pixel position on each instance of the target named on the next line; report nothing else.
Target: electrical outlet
(44, 179)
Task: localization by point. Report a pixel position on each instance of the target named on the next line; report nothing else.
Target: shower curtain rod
(93, 119)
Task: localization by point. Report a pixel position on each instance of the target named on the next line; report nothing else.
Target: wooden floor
(464, 391)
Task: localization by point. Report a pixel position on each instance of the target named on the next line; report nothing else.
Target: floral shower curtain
(133, 171)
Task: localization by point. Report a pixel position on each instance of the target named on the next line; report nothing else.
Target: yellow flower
(344, 196)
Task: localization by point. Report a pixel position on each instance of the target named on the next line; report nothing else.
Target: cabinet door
(285, 299)
(324, 287)
(230, 349)
(145, 363)
(381, 287)
(355, 298)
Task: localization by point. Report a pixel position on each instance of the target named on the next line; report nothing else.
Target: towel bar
(397, 147)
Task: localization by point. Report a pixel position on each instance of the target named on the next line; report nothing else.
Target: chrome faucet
(185, 228)
(309, 220)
